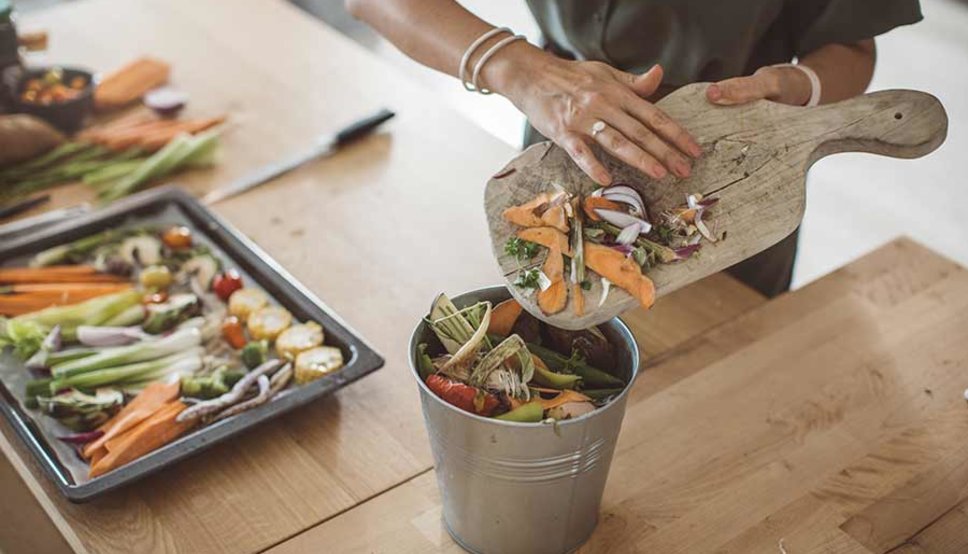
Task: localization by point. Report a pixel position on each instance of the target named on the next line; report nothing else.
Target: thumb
(647, 83)
(738, 90)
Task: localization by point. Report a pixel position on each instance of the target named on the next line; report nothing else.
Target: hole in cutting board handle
(898, 115)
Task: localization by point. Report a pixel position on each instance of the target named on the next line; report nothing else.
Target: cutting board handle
(896, 123)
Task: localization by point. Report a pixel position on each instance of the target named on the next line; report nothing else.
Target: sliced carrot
(524, 214)
(158, 139)
(578, 299)
(620, 270)
(149, 400)
(20, 299)
(158, 430)
(503, 317)
(56, 274)
(590, 203)
(554, 298)
(60, 288)
(547, 237)
(605, 261)
(555, 217)
(564, 396)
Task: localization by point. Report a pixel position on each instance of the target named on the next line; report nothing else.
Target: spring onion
(142, 351)
(180, 363)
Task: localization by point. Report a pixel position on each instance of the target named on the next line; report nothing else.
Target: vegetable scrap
(137, 335)
(609, 234)
(130, 82)
(51, 88)
(501, 362)
(116, 157)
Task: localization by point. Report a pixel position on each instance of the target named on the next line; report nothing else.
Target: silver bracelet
(470, 52)
(487, 56)
(812, 77)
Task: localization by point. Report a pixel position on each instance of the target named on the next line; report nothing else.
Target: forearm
(845, 70)
(436, 33)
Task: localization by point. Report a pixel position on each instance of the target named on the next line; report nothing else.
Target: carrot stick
(152, 433)
(18, 304)
(56, 274)
(156, 140)
(117, 124)
(60, 288)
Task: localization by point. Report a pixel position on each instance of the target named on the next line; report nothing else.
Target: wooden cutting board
(755, 162)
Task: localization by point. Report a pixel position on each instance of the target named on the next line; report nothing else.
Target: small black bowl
(69, 115)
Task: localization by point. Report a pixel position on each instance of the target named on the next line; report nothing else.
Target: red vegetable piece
(227, 283)
(468, 398)
(177, 238)
(233, 333)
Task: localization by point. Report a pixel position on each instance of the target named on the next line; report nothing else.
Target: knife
(325, 146)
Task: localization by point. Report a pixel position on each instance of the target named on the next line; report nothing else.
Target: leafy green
(24, 336)
(520, 249)
(528, 279)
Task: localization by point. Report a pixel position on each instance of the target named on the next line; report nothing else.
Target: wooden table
(830, 418)
(376, 232)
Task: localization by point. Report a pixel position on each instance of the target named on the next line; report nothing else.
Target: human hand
(564, 100)
(786, 85)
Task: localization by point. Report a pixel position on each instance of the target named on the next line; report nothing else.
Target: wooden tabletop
(830, 418)
(375, 231)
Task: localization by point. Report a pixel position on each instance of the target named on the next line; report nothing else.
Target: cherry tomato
(468, 398)
(177, 237)
(226, 283)
(233, 333)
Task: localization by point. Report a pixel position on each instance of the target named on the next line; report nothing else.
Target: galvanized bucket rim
(622, 328)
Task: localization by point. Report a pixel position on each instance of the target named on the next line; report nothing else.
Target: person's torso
(694, 40)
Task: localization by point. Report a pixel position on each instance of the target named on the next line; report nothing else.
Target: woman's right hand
(564, 99)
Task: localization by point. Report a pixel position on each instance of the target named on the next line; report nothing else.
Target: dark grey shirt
(710, 40)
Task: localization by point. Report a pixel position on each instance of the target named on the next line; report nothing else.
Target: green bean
(560, 381)
(425, 366)
(532, 412)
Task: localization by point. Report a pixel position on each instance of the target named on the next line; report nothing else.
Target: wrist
(793, 85)
(508, 72)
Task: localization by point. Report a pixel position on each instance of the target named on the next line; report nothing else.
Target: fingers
(740, 90)
(662, 125)
(622, 148)
(650, 143)
(643, 85)
(582, 155)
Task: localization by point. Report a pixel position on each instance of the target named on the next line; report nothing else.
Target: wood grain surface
(755, 162)
(375, 231)
(831, 419)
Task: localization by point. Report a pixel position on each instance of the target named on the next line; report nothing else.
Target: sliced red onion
(707, 202)
(92, 335)
(166, 101)
(606, 286)
(629, 234)
(543, 281)
(82, 438)
(703, 230)
(623, 248)
(685, 252)
(623, 220)
(51, 343)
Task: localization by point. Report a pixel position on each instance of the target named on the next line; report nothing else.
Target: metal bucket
(523, 487)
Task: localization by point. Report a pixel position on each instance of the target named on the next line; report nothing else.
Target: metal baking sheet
(171, 205)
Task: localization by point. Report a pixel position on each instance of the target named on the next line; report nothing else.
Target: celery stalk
(139, 352)
(181, 362)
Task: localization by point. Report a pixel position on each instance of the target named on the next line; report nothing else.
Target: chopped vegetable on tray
(135, 336)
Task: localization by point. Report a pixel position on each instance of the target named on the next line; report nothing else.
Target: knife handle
(362, 127)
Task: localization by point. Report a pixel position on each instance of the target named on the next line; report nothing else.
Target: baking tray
(172, 205)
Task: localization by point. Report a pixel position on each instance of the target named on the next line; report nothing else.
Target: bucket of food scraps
(522, 418)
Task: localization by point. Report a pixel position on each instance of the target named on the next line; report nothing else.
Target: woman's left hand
(786, 85)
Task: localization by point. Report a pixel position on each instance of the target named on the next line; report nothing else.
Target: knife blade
(326, 145)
